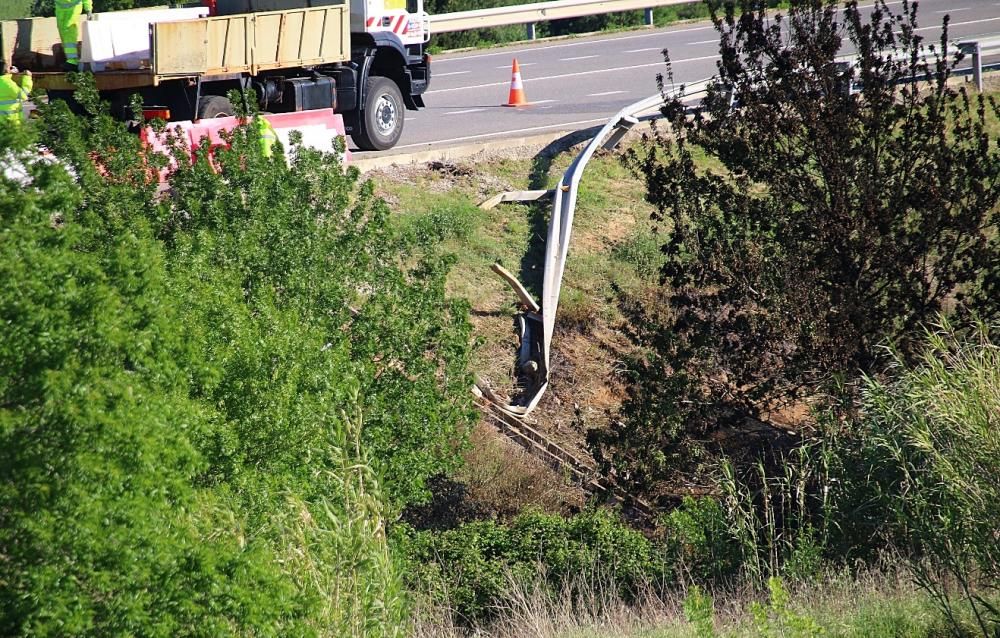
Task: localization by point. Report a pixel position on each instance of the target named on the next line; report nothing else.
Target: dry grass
(871, 604)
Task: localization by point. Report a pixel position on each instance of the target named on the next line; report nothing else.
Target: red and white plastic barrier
(319, 129)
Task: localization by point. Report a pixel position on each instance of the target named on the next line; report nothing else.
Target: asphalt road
(581, 82)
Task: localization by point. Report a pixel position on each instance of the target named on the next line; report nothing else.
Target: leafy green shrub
(182, 379)
(471, 566)
(913, 476)
(700, 540)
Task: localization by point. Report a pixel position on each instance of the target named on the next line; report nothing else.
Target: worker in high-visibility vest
(12, 95)
(68, 20)
(268, 136)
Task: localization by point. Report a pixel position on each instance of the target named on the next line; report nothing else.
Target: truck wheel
(212, 106)
(380, 123)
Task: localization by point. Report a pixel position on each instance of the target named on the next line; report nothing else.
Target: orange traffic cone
(516, 97)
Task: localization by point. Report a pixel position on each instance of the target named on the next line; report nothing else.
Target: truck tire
(380, 123)
(212, 106)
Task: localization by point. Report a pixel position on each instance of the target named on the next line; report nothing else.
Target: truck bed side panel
(252, 43)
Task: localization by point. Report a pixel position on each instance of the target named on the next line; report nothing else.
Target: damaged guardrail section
(536, 323)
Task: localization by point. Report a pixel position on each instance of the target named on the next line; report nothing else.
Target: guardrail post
(621, 129)
(649, 16)
(973, 48)
(530, 28)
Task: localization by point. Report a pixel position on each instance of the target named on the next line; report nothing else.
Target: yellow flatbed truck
(365, 60)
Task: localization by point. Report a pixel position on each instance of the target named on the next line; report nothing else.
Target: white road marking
(606, 93)
(712, 41)
(953, 10)
(570, 75)
(959, 24)
(441, 75)
(464, 112)
(523, 130)
(544, 102)
(579, 57)
(644, 50)
(507, 66)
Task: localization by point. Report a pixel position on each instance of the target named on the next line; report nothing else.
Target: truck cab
(387, 74)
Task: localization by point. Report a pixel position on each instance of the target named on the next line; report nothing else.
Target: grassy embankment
(615, 246)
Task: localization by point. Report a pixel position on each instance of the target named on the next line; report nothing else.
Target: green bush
(470, 567)
(182, 383)
(778, 620)
(912, 476)
(700, 541)
(699, 611)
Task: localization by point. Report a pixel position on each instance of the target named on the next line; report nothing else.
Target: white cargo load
(120, 40)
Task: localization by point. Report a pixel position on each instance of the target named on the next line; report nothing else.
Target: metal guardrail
(978, 50)
(537, 323)
(539, 12)
(975, 49)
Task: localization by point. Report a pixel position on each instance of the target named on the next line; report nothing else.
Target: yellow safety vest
(13, 97)
(68, 22)
(268, 136)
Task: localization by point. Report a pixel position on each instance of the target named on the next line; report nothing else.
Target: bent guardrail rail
(537, 323)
